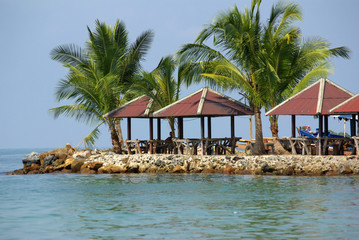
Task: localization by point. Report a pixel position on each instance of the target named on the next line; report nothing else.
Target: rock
(178, 169)
(68, 163)
(118, 169)
(209, 170)
(31, 158)
(95, 165)
(87, 171)
(60, 153)
(49, 160)
(82, 154)
(48, 169)
(43, 156)
(289, 170)
(16, 172)
(105, 169)
(68, 146)
(229, 170)
(76, 165)
(58, 162)
(59, 167)
(266, 168)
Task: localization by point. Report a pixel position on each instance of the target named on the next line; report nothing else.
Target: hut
(316, 100)
(205, 103)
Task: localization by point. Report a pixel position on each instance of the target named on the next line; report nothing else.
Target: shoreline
(70, 160)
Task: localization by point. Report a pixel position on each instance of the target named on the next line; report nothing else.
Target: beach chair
(307, 134)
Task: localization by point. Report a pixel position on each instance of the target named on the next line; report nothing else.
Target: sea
(170, 206)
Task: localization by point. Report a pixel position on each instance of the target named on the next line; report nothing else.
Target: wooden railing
(319, 146)
(186, 146)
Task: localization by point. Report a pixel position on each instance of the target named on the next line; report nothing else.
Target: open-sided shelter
(350, 106)
(316, 100)
(204, 103)
(140, 107)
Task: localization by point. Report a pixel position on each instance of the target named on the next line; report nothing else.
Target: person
(169, 143)
(308, 129)
(169, 139)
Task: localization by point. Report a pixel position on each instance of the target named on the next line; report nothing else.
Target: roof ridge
(289, 99)
(122, 106)
(201, 102)
(322, 82)
(343, 103)
(180, 100)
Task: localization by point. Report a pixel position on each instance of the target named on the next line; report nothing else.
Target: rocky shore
(70, 160)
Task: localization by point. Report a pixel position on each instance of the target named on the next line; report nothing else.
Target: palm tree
(161, 86)
(290, 62)
(99, 76)
(238, 36)
(266, 63)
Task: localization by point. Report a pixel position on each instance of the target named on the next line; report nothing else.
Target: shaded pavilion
(316, 100)
(350, 106)
(140, 107)
(204, 103)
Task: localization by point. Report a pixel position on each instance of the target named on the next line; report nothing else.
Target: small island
(71, 160)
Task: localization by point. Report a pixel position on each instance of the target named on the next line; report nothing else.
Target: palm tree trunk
(171, 122)
(116, 146)
(278, 148)
(119, 132)
(258, 148)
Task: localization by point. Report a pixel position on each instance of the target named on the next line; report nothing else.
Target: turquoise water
(146, 206)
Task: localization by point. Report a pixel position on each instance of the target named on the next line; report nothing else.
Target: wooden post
(326, 127)
(320, 119)
(151, 135)
(209, 120)
(326, 133)
(233, 136)
(293, 126)
(202, 136)
(320, 134)
(128, 128)
(180, 127)
(352, 126)
(251, 127)
(159, 128)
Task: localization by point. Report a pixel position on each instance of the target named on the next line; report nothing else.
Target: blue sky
(31, 29)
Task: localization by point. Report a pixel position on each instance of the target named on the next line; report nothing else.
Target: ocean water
(193, 206)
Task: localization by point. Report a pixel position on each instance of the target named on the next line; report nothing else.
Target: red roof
(350, 106)
(135, 108)
(204, 102)
(316, 99)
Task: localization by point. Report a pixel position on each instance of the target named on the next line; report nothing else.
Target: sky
(31, 29)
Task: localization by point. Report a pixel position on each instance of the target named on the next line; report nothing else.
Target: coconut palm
(236, 64)
(161, 85)
(99, 76)
(266, 63)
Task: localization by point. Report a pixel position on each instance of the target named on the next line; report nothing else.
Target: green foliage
(99, 75)
(266, 62)
(161, 85)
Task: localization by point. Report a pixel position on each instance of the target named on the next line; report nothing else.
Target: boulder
(48, 169)
(60, 153)
(58, 162)
(95, 165)
(16, 172)
(87, 171)
(76, 165)
(105, 169)
(31, 158)
(229, 170)
(49, 160)
(178, 169)
(118, 169)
